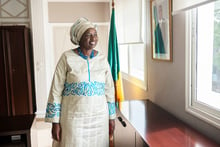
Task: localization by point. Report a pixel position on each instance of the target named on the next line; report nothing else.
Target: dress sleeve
(110, 93)
(55, 96)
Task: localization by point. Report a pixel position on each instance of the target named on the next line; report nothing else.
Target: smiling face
(89, 39)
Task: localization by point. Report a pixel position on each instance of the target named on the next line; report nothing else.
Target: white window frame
(192, 106)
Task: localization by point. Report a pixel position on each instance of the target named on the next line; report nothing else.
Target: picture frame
(161, 29)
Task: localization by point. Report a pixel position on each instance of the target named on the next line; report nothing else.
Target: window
(132, 63)
(203, 62)
(132, 40)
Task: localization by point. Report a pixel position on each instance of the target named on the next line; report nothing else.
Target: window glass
(137, 61)
(132, 63)
(123, 56)
(208, 55)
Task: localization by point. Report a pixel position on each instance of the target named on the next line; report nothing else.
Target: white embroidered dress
(82, 100)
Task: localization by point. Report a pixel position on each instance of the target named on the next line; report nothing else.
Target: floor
(41, 134)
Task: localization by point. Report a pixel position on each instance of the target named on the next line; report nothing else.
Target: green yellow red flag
(113, 58)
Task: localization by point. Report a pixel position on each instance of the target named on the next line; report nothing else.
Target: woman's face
(89, 39)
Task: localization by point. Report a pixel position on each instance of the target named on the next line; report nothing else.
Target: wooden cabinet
(17, 95)
(15, 131)
(125, 135)
(159, 128)
(139, 142)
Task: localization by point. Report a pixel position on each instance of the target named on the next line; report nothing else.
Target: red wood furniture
(158, 128)
(18, 127)
(17, 95)
(125, 135)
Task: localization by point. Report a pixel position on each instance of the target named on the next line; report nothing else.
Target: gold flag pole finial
(113, 4)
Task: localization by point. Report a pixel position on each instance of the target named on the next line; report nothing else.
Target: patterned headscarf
(78, 28)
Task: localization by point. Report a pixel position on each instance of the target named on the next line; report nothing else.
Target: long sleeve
(110, 93)
(55, 96)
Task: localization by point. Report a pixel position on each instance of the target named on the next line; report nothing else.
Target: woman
(81, 103)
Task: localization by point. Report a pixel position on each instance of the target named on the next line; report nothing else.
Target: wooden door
(17, 65)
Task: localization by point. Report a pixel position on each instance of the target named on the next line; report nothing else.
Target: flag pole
(116, 100)
(111, 138)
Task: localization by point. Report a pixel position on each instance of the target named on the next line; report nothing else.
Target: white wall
(68, 12)
(40, 44)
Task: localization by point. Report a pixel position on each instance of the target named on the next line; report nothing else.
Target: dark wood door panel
(4, 98)
(18, 72)
(16, 75)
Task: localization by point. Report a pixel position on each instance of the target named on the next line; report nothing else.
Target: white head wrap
(78, 28)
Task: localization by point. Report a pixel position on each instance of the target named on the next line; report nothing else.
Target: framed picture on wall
(161, 29)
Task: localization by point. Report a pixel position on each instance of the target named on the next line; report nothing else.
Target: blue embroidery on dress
(84, 89)
(53, 110)
(111, 108)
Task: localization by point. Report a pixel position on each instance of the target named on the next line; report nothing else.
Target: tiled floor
(41, 134)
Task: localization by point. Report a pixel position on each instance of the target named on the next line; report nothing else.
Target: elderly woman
(81, 103)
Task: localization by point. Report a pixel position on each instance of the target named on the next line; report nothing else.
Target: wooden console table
(159, 128)
(16, 126)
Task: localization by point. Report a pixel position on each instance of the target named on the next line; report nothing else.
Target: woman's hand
(56, 131)
(111, 126)
(111, 132)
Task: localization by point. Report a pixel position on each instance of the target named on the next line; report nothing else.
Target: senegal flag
(113, 59)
